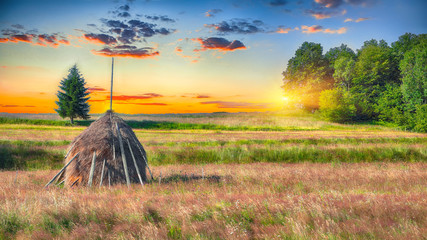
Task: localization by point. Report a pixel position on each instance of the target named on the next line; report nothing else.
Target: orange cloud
(338, 31)
(100, 39)
(318, 29)
(311, 29)
(356, 20)
(135, 97)
(283, 30)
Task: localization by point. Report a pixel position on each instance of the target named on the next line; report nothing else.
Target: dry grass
(273, 201)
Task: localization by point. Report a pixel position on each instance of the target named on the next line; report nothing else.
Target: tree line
(378, 82)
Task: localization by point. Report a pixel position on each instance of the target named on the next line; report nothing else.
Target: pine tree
(72, 100)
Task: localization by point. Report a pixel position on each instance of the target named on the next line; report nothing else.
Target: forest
(378, 83)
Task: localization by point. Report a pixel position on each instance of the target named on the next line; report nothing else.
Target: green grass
(169, 125)
(286, 155)
(31, 155)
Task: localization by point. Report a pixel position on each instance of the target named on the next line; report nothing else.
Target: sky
(184, 56)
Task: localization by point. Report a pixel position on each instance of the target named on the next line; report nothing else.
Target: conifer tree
(72, 96)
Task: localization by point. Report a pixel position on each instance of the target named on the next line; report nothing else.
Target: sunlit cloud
(220, 44)
(16, 106)
(356, 20)
(320, 29)
(338, 3)
(212, 12)
(320, 14)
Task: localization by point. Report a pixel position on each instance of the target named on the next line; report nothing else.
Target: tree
(307, 74)
(344, 71)
(72, 100)
(413, 68)
(405, 43)
(374, 69)
(336, 105)
(342, 51)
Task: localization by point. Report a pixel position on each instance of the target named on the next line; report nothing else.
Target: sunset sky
(179, 56)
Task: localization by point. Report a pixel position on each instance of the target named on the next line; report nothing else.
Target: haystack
(106, 153)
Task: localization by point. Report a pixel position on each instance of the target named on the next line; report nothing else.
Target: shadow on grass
(175, 178)
(28, 158)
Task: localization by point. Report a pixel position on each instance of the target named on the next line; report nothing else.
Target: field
(223, 176)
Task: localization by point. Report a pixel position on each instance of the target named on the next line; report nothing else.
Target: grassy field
(232, 176)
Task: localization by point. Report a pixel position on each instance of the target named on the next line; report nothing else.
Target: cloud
(162, 18)
(320, 14)
(248, 105)
(337, 3)
(283, 29)
(356, 20)
(220, 44)
(212, 12)
(145, 104)
(318, 29)
(18, 26)
(241, 26)
(28, 38)
(100, 38)
(277, 3)
(202, 96)
(329, 3)
(337, 31)
(135, 97)
(311, 29)
(122, 11)
(96, 89)
(146, 52)
(15, 36)
(15, 106)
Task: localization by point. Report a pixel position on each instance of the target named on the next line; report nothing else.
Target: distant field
(268, 176)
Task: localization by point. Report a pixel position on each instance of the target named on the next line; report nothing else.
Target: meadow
(222, 176)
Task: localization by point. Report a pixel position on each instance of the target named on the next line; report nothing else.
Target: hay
(102, 138)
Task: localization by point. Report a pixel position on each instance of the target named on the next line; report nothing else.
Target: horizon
(179, 58)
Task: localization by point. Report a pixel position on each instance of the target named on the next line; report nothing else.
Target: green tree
(307, 74)
(336, 105)
(374, 69)
(342, 51)
(405, 43)
(72, 96)
(344, 71)
(390, 105)
(413, 68)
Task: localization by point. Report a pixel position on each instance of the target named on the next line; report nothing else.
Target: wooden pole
(66, 165)
(111, 91)
(102, 173)
(92, 169)
(125, 166)
(134, 162)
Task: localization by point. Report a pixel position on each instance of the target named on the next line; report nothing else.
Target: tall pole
(111, 92)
